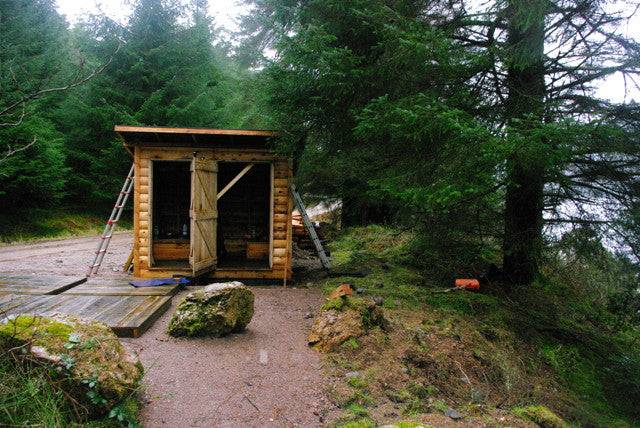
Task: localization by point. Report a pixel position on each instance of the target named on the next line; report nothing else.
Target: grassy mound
(493, 356)
(63, 372)
(38, 224)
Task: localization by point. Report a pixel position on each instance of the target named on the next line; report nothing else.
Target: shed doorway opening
(244, 216)
(171, 199)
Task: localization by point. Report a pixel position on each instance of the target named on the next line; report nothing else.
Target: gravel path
(264, 377)
(66, 256)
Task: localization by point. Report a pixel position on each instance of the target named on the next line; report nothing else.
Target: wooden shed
(213, 202)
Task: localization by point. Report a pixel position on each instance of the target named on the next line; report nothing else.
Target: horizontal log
(281, 182)
(281, 209)
(279, 252)
(279, 243)
(278, 218)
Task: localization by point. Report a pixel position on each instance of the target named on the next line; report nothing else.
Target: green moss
(36, 330)
(359, 423)
(337, 304)
(409, 424)
(351, 343)
(440, 406)
(355, 416)
(558, 331)
(540, 415)
(357, 382)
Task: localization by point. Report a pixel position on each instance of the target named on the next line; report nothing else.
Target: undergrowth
(28, 397)
(38, 224)
(567, 343)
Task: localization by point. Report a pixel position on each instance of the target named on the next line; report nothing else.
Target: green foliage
(28, 396)
(166, 68)
(41, 223)
(540, 415)
(563, 326)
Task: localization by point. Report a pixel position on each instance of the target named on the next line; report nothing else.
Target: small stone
(308, 315)
(378, 300)
(361, 290)
(353, 374)
(453, 414)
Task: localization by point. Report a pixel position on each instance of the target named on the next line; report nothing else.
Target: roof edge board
(194, 131)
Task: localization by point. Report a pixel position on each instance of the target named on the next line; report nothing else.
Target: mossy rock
(216, 310)
(343, 319)
(540, 415)
(87, 360)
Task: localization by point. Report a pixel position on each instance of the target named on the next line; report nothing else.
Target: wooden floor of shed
(128, 310)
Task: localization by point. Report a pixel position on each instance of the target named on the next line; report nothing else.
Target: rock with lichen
(87, 360)
(344, 318)
(216, 310)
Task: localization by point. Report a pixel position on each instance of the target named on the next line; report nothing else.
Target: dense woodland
(473, 125)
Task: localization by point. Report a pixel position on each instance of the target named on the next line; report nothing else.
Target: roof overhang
(195, 137)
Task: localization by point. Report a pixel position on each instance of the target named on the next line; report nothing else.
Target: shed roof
(194, 137)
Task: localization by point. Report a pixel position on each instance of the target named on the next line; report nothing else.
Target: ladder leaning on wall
(105, 238)
(311, 229)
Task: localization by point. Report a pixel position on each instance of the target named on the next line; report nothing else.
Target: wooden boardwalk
(37, 284)
(129, 311)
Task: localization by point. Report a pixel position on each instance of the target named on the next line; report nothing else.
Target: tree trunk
(526, 171)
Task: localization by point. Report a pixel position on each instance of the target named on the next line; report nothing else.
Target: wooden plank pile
(301, 235)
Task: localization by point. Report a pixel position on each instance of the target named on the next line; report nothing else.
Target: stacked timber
(301, 234)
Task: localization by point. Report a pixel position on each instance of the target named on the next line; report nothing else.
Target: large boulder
(90, 363)
(216, 310)
(343, 318)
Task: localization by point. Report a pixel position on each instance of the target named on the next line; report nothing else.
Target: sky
(223, 11)
(226, 12)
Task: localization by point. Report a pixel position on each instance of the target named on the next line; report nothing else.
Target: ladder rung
(111, 223)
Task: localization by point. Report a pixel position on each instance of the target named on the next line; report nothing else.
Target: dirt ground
(66, 256)
(266, 376)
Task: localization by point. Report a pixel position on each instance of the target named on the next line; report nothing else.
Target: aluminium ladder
(105, 238)
(312, 230)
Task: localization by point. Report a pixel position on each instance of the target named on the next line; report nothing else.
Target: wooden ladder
(105, 238)
(312, 230)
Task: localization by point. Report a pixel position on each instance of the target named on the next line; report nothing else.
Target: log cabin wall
(281, 206)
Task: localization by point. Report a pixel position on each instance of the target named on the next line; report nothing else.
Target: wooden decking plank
(10, 301)
(38, 284)
(102, 287)
(127, 315)
(141, 317)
